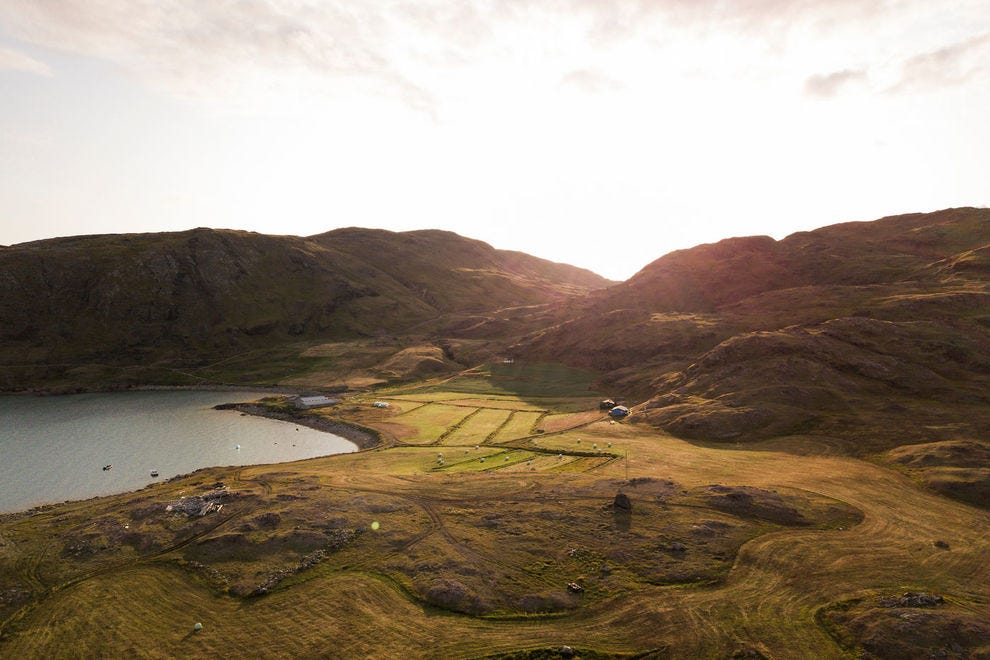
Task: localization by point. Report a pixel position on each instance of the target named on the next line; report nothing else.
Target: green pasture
(431, 421)
(519, 425)
(477, 428)
(506, 402)
(524, 381)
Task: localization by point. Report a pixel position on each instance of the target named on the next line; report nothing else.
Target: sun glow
(530, 127)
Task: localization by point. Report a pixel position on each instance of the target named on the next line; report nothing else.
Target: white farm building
(307, 402)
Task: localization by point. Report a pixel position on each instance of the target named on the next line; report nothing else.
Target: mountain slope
(866, 335)
(871, 334)
(205, 294)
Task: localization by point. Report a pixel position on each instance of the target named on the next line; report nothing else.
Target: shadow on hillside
(532, 383)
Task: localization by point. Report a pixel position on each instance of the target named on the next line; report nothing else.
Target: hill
(80, 309)
(864, 336)
(867, 335)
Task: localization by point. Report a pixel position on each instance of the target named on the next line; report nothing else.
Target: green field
(478, 427)
(519, 425)
(538, 381)
(431, 422)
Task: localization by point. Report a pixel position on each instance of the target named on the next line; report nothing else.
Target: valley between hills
(804, 471)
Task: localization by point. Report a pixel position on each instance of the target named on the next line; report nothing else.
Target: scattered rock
(912, 599)
(566, 652)
(198, 505)
(15, 595)
(710, 528)
(574, 587)
(268, 520)
(676, 546)
(941, 544)
(746, 653)
(874, 631)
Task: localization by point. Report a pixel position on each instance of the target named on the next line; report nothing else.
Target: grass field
(478, 427)
(538, 381)
(726, 552)
(430, 422)
(519, 425)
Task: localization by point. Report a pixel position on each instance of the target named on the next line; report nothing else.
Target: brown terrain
(805, 471)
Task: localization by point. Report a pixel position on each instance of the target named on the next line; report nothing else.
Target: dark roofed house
(619, 411)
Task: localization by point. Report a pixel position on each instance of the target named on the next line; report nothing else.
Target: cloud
(590, 81)
(192, 48)
(405, 50)
(12, 60)
(830, 84)
(620, 19)
(952, 65)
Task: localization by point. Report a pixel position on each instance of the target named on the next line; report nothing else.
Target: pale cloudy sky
(599, 133)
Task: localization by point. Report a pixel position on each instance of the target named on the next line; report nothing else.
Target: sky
(593, 132)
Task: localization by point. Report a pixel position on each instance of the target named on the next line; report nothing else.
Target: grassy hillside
(868, 335)
(87, 309)
(805, 473)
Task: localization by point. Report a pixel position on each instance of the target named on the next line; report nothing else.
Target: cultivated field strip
(477, 428)
(519, 425)
(431, 422)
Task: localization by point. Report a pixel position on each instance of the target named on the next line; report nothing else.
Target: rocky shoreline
(363, 437)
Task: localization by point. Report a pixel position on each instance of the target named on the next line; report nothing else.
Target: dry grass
(473, 558)
(552, 423)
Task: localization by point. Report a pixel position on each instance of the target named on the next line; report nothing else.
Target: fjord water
(54, 448)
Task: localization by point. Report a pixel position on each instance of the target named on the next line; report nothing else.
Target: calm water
(54, 448)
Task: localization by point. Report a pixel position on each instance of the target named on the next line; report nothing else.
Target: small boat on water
(107, 467)
(154, 473)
